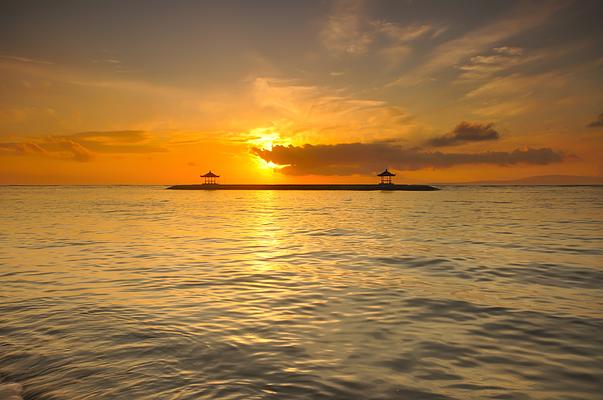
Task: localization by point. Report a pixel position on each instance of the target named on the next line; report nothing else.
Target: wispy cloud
(499, 109)
(514, 94)
(517, 85)
(109, 60)
(73, 76)
(21, 148)
(52, 147)
(453, 52)
(83, 146)
(394, 55)
(497, 60)
(25, 60)
(345, 30)
(399, 39)
(349, 31)
(508, 51)
(128, 141)
(318, 112)
(403, 33)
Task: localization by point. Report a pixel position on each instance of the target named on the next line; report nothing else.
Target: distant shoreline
(305, 187)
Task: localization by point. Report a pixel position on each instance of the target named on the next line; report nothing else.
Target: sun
(265, 139)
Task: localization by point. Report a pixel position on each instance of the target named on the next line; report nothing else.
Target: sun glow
(265, 139)
(263, 164)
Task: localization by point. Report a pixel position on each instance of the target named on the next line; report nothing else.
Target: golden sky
(309, 91)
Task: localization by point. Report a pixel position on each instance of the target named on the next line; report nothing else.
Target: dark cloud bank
(598, 123)
(466, 132)
(360, 158)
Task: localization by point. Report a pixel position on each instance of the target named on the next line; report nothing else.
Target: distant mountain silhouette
(544, 180)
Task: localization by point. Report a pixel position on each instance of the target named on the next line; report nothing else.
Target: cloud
(362, 158)
(344, 31)
(466, 132)
(348, 31)
(518, 85)
(397, 39)
(127, 141)
(394, 55)
(453, 52)
(401, 33)
(316, 112)
(108, 60)
(516, 94)
(126, 136)
(509, 51)
(497, 60)
(597, 123)
(21, 148)
(52, 147)
(83, 146)
(20, 114)
(25, 60)
(500, 109)
(67, 149)
(67, 75)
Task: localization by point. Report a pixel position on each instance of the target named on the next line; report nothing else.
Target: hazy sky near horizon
(299, 91)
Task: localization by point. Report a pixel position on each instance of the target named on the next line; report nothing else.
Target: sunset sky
(299, 91)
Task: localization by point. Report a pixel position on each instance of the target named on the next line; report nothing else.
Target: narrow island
(211, 183)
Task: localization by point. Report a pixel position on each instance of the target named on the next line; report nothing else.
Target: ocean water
(133, 292)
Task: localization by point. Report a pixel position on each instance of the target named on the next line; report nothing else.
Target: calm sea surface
(144, 293)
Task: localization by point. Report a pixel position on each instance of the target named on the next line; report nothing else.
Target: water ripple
(138, 292)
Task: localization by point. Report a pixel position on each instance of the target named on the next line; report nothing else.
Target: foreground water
(144, 293)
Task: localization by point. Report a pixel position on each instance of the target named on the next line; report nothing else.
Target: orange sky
(124, 93)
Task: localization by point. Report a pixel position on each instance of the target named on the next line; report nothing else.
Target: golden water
(145, 293)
